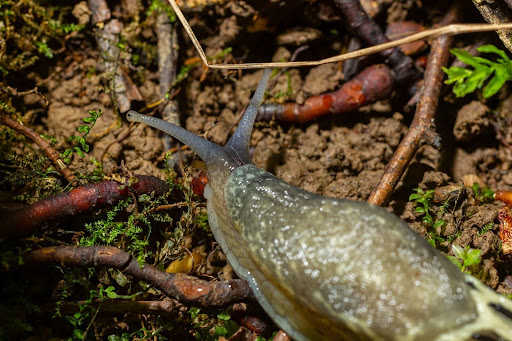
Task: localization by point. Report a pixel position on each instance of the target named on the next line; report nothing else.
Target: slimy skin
(334, 269)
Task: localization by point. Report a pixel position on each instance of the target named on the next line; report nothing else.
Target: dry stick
(184, 288)
(422, 127)
(452, 29)
(123, 89)
(15, 92)
(167, 306)
(52, 154)
(167, 64)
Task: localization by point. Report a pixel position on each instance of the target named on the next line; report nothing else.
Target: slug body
(334, 269)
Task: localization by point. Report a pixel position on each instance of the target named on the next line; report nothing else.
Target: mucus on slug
(334, 269)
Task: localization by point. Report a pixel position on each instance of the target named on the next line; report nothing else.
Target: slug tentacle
(207, 151)
(238, 144)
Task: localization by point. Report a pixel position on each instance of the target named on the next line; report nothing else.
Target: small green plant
(465, 257)
(468, 80)
(207, 328)
(423, 201)
(81, 146)
(484, 194)
(485, 229)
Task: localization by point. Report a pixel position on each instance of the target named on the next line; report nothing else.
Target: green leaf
(114, 338)
(79, 152)
(465, 57)
(72, 320)
(413, 196)
(500, 77)
(458, 252)
(83, 129)
(420, 210)
(472, 257)
(89, 119)
(477, 79)
(439, 223)
(455, 261)
(456, 74)
(78, 333)
(111, 292)
(493, 49)
(220, 331)
(224, 316)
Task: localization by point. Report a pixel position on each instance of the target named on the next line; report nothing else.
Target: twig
(167, 64)
(422, 128)
(371, 33)
(52, 154)
(370, 85)
(77, 201)
(452, 29)
(167, 61)
(15, 92)
(168, 306)
(184, 288)
(123, 89)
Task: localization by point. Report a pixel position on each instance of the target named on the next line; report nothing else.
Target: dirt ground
(342, 156)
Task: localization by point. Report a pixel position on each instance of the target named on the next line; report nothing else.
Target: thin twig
(452, 29)
(52, 154)
(15, 92)
(184, 288)
(422, 128)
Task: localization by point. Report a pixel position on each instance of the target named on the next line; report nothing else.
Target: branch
(52, 154)
(77, 201)
(370, 85)
(184, 288)
(422, 128)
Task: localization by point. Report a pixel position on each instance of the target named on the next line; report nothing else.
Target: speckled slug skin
(350, 261)
(334, 269)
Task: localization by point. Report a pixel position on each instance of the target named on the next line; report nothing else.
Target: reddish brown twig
(45, 146)
(422, 128)
(372, 84)
(403, 66)
(167, 306)
(184, 288)
(77, 201)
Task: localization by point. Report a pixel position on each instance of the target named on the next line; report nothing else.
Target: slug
(333, 269)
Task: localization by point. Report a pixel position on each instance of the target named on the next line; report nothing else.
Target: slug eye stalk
(236, 149)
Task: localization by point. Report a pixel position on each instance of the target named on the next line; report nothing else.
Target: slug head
(236, 151)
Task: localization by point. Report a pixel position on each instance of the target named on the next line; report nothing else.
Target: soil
(342, 156)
